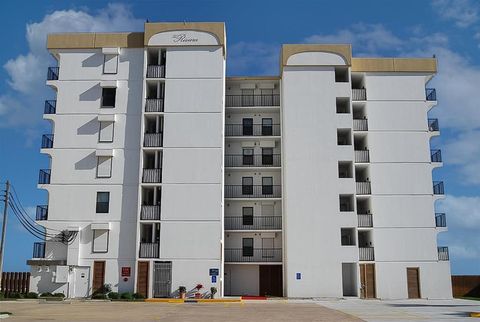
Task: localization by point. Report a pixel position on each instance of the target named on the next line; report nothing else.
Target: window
(108, 96)
(247, 185)
(247, 125)
(267, 156)
(347, 236)
(104, 167)
(105, 134)
(268, 247)
(100, 241)
(247, 247)
(247, 156)
(267, 97)
(103, 201)
(110, 64)
(267, 185)
(344, 137)
(346, 203)
(341, 74)
(343, 105)
(248, 97)
(345, 169)
(267, 126)
(247, 216)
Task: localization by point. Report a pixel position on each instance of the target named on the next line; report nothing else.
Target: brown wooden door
(367, 279)
(413, 283)
(271, 281)
(98, 275)
(142, 278)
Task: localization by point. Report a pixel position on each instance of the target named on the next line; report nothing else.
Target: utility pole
(4, 226)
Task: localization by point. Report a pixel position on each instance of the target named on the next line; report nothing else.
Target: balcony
(365, 220)
(42, 213)
(252, 100)
(362, 156)
(47, 141)
(363, 187)
(44, 176)
(359, 94)
(253, 222)
(152, 140)
(256, 160)
(52, 73)
(440, 220)
(152, 175)
(256, 255)
(433, 125)
(50, 107)
(149, 250)
(438, 188)
(253, 191)
(150, 212)
(155, 71)
(436, 155)
(443, 254)
(360, 125)
(154, 105)
(252, 130)
(366, 254)
(431, 94)
(38, 250)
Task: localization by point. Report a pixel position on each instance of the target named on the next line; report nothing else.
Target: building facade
(166, 173)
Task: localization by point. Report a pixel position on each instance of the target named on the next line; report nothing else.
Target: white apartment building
(313, 183)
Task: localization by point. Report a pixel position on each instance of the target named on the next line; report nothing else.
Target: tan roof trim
(215, 28)
(343, 50)
(95, 40)
(419, 65)
(240, 78)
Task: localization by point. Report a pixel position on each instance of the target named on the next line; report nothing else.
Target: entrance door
(81, 281)
(271, 280)
(367, 278)
(413, 283)
(98, 275)
(162, 279)
(142, 278)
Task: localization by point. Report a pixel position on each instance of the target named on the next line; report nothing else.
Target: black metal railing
(253, 191)
(252, 130)
(152, 175)
(153, 140)
(149, 250)
(363, 187)
(42, 212)
(155, 71)
(360, 125)
(365, 220)
(438, 188)
(255, 160)
(362, 156)
(253, 222)
(433, 125)
(154, 105)
(50, 107)
(443, 254)
(366, 254)
(52, 73)
(47, 141)
(239, 255)
(359, 94)
(440, 220)
(431, 94)
(150, 212)
(44, 176)
(252, 100)
(436, 155)
(38, 250)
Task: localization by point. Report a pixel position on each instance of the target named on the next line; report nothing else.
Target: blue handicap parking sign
(214, 278)
(299, 276)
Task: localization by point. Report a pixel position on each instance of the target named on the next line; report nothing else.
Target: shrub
(58, 295)
(126, 296)
(2, 296)
(99, 296)
(31, 295)
(182, 289)
(46, 294)
(14, 295)
(138, 296)
(113, 295)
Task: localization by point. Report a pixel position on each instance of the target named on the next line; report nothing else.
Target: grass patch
(470, 298)
(7, 313)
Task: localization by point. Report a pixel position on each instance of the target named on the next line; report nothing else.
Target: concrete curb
(234, 300)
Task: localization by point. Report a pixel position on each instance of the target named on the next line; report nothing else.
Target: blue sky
(450, 29)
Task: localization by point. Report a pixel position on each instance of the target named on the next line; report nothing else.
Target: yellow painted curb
(475, 314)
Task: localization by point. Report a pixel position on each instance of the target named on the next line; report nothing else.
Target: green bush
(58, 295)
(15, 295)
(2, 296)
(31, 295)
(126, 296)
(113, 295)
(99, 296)
(138, 296)
(46, 294)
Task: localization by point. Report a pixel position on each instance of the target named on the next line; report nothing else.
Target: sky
(448, 29)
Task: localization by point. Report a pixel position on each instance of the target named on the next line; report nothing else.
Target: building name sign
(183, 38)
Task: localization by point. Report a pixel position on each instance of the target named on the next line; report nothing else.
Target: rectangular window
(267, 126)
(267, 185)
(247, 156)
(105, 134)
(104, 167)
(347, 236)
(247, 185)
(100, 241)
(103, 202)
(247, 216)
(267, 97)
(247, 247)
(108, 96)
(247, 126)
(248, 97)
(110, 64)
(268, 247)
(267, 156)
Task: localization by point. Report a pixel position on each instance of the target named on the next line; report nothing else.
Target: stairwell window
(105, 133)
(100, 241)
(110, 64)
(103, 202)
(108, 97)
(104, 167)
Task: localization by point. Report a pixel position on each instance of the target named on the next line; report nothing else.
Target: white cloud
(463, 12)
(245, 58)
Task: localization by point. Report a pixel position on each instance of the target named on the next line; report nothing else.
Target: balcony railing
(252, 130)
(153, 140)
(152, 175)
(150, 212)
(438, 188)
(42, 213)
(253, 222)
(155, 71)
(47, 141)
(359, 94)
(154, 105)
(431, 94)
(257, 255)
(443, 254)
(256, 160)
(363, 187)
(256, 191)
(366, 254)
(50, 107)
(362, 156)
(360, 125)
(52, 73)
(149, 250)
(44, 176)
(252, 100)
(433, 125)
(436, 155)
(365, 220)
(38, 250)
(440, 220)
